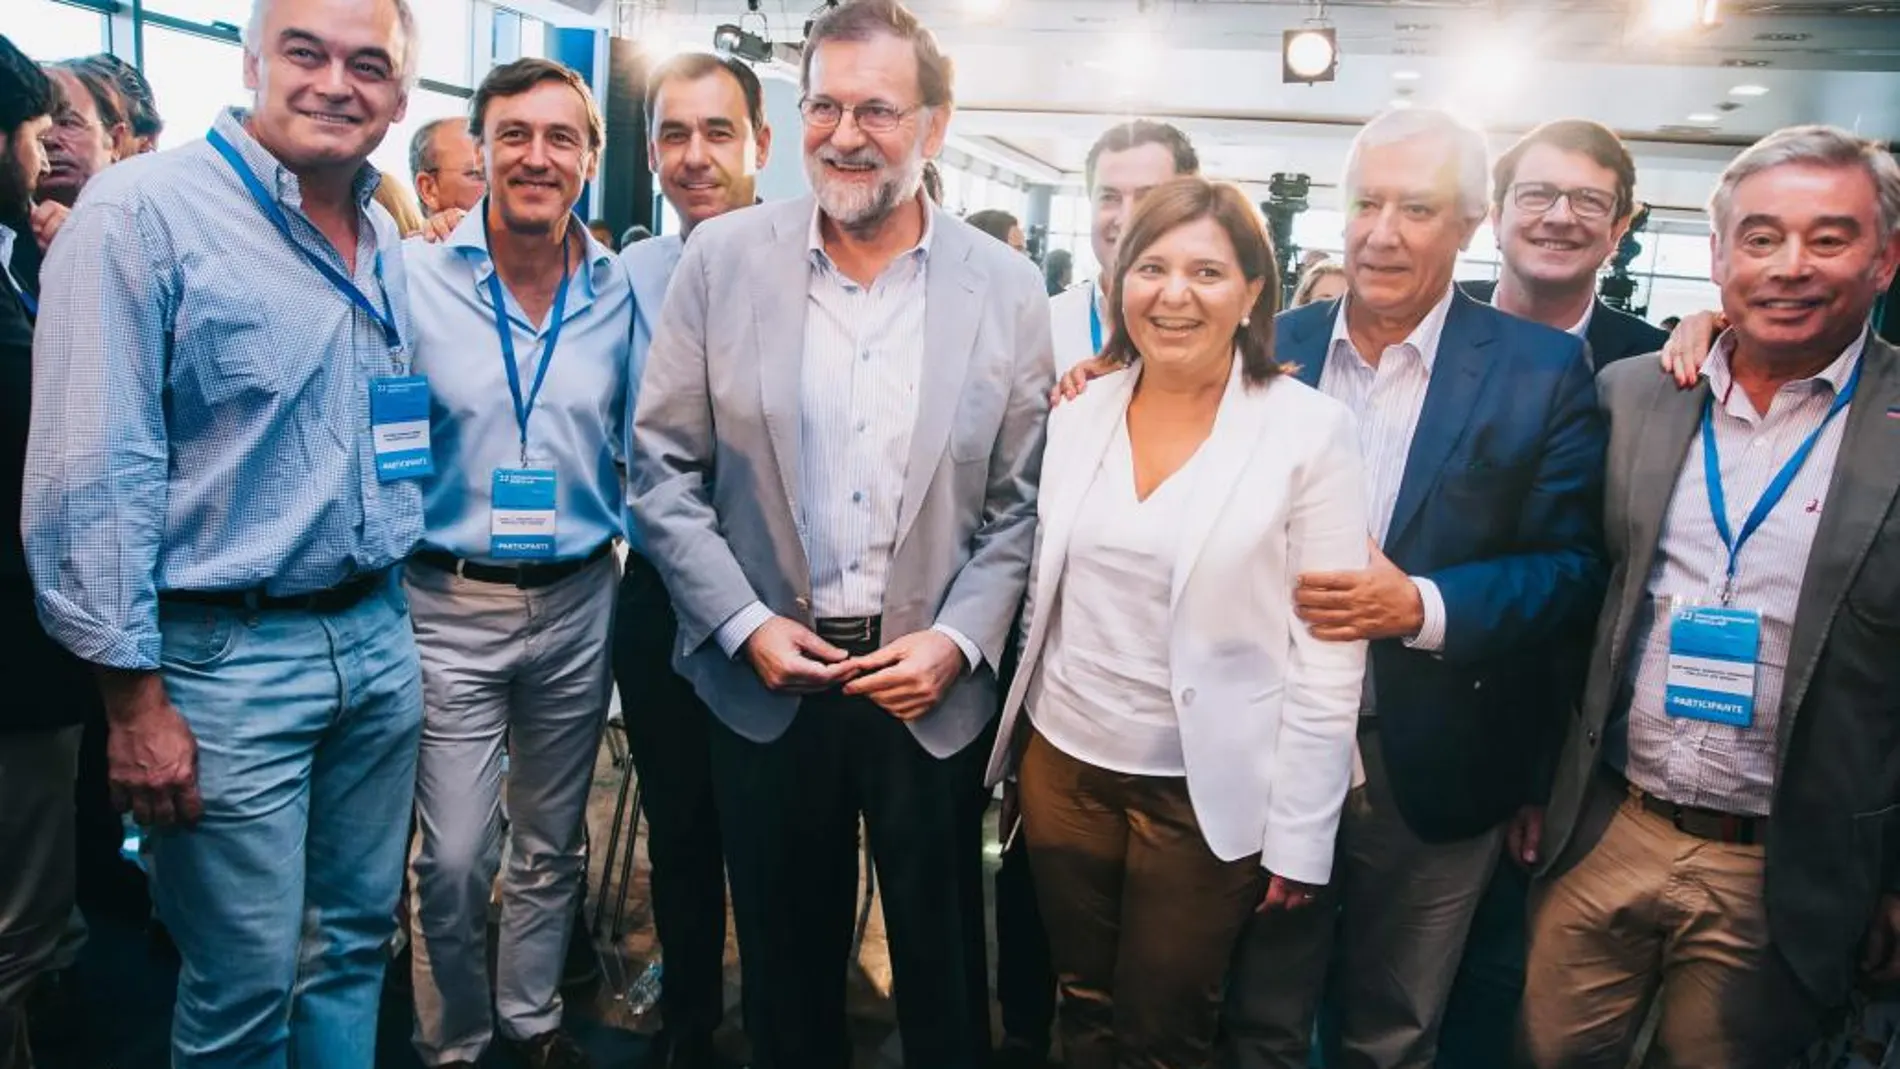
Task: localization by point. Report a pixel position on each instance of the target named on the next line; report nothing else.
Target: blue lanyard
(386, 318)
(1095, 321)
(524, 409)
(1777, 487)
(32, 306)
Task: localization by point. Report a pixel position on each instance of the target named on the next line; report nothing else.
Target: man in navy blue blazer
(1483, 452)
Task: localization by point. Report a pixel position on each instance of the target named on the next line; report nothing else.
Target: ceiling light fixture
(1749, 91)
(1309, 55)
(1675, 16)
(983, 9)
(1405, 76)
(741, 40)
(1703, 118)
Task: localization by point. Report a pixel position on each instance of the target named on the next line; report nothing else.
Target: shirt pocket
(231, 345)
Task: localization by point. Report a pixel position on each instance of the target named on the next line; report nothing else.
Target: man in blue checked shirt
(218, 484)
(522, 326)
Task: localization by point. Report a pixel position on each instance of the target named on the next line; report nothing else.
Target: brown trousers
(1655, 915)
(1142, 918)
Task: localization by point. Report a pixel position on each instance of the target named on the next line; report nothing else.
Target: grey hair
(1465, 142)
(1825, 146)
(422, 145)
(411, 57)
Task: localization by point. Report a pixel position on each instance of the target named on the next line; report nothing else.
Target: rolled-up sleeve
(95, 489)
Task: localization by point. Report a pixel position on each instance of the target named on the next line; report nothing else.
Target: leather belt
(1711, 824)
(857, 634)
(342, 596)
(519, 576)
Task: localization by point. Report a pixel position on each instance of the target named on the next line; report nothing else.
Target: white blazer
(1268, 714)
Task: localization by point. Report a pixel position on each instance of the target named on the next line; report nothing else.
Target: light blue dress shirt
(578, 424)
(649, 266)
(201, 400)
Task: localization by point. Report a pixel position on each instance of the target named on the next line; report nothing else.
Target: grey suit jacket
(716, 465)
(1833, 837)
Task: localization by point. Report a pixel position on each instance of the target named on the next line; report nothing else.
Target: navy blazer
(1612, 335)
(1501, 507)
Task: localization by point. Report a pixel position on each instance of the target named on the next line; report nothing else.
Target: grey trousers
(1382, 943)
(36, 878)
(529, 670)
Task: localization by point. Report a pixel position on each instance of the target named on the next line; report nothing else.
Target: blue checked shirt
(579, 419)
(201, 401)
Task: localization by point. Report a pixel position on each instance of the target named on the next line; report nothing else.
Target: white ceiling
(1037, 80)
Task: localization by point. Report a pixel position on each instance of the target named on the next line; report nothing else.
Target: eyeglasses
(875, 117)
(473, 174)
(1540, 197)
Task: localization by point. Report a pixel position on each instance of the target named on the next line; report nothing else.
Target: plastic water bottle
(644, 996)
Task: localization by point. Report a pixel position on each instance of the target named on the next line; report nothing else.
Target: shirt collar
(815, 238)
(272, 172)
(470, 239)
(1423, 339)
(1722, 381)
(1575, 330)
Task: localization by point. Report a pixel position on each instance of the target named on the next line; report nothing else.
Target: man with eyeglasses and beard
(838, 488)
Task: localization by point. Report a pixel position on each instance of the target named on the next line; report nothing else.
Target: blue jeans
(282, 899)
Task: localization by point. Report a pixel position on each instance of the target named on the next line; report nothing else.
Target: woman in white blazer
(1182, 744)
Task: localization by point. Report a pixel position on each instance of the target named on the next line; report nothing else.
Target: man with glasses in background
(446, 167)
(1561, 201)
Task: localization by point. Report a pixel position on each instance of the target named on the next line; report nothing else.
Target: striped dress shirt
(201, 400)
(1695, 762)
(1388, 399)
(863, 362)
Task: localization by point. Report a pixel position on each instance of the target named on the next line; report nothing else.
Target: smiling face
(1183, 297)
(1122, 177)
(540, 153)
(1801, 259)
(704, 149)
(1558, 247)
(860, 176)
(328, 80)
(1404, 227)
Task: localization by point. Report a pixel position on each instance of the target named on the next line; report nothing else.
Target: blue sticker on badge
(521, 522)
(399, 427)
(1712, 658)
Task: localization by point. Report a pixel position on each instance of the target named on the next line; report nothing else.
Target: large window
(193, 78)
(46, 30)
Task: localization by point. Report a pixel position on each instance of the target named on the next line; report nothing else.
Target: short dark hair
(995, 222)
(100, 85)
(141, 108)
(514, 79)
(860, 20)
(1184, 200)
(1583, 137)
(692, 66)
(422, 145)
(26, 93)
(1143, 132)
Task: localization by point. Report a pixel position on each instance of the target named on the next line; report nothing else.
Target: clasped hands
(1374, 602)
(906, 677)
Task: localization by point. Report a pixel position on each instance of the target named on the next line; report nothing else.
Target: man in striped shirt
(1722, 831)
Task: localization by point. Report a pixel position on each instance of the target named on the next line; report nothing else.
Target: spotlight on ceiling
(1309, 55)
(730, 40)
(1675, 16)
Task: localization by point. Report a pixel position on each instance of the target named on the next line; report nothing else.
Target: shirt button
(861, 426)
(865, 356)
(857, 496)
(853, 567)
(1187, 696)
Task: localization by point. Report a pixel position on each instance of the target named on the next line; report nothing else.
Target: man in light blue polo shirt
(522, 323)
(708, 140)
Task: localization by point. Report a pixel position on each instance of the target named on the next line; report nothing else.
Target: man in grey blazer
(836, 450)
(1723, 840)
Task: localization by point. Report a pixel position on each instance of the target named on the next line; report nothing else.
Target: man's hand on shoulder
(1689, 344)
(1076, 379)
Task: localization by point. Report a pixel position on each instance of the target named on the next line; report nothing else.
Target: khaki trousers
(1655, 915)
(1142, 917)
